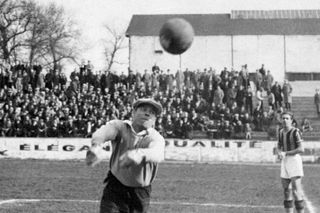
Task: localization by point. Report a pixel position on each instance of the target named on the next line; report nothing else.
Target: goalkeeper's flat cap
(148, 101)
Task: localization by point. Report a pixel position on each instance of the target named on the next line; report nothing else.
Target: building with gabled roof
(286, 41)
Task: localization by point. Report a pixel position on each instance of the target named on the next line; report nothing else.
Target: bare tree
(35, 32)
(36, 39)
(114, 44)
(52, 36)
(15, 17)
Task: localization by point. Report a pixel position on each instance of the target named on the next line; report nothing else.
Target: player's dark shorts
(120, 198)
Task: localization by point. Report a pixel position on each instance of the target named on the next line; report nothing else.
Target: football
(176, 35)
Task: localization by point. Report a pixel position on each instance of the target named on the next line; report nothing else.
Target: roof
(275, 14)
(222, 24)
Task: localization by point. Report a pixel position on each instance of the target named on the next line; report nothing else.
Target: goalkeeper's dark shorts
(120, 198)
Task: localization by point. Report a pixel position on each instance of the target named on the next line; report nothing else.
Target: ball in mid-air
(176, 35)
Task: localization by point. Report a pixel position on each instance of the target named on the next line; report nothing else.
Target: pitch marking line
(7, 201)
(309, 204)
(216, 204)
(154, 203)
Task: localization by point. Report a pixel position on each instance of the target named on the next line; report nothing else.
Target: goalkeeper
(137, 150)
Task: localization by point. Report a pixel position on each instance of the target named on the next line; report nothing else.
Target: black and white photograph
(159, 106)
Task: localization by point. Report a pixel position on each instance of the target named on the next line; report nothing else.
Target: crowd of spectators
(39, 103)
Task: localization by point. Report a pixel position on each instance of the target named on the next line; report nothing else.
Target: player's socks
(288, 206)
(299, 204)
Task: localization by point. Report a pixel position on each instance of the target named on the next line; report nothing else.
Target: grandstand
(46, 108)
(30, 96)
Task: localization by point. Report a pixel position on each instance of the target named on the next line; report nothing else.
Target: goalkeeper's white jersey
(148, 143)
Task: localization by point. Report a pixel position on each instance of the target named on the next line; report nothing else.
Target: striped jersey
(289, 140)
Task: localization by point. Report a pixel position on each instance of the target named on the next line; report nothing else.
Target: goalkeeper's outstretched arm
(105, 133)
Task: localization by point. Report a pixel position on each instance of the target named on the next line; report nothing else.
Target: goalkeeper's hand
(130, 158)
(94, 156)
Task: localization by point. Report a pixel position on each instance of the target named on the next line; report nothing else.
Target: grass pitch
(35, 186)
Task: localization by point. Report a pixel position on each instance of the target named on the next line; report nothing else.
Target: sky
(92, 15)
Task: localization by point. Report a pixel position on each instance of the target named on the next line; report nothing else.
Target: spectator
(42, 129)
(169, 80)
(227, 130)
(235, 119)
(155, 68)
(287, 98)
(247, 131)
(277, 91)
(200, 105)
(306, 125)
(7, 130)
(218, 96)
(211, 129)
(317, 101)
(18, 83)
(246, 119)
(271, 99)
(240, 97)
(9, 78)
(259, 79)
(227, 114)
(146, 78)
(62, 127)
(52, 130)
(48, 79)
(265, 122)
(248, 99)
(187, 129)
(260, 97)
(230, 96)
(180, 80)
(269, 81)
(34, 127)
(18, 127)
(131, 79)
(178, 129)
(257, 115)
(270, 113)
(63, 80)
(27, 124)
(80, 126)
(199, 122)
(159, 126)
(40, 79)
(169, 127)
(90, 128)
(238, 129)
(262, 70)
(55, 78)
(244, 73)
(213, 112)
(70, 128)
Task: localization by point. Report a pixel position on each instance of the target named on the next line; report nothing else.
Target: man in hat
(137, 150)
